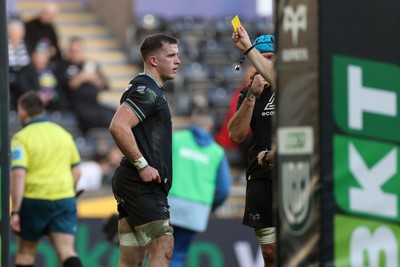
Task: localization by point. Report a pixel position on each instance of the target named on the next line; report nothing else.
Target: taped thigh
(128, 240)
(266, 235)
(152, 231)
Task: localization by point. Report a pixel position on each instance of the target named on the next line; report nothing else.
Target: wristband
(251, 97)
(14, 213)
(140, 163)
(249, 49)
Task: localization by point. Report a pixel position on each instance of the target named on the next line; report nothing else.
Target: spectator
(201, 182)
(99, 170)
(82, 81)
(41, 28)
(40, 76)
(45, 171)
(18, 57)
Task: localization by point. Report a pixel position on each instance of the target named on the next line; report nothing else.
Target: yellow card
(236, 23)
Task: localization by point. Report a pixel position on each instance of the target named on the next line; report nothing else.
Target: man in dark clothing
(142, 129)
(42, 28)
(255, 110)
(82, 81)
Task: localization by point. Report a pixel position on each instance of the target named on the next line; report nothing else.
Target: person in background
(18, 57)
(41, 29)
(255, 110)
(82, 80)
(40, 76)
(44, 172)
(201, 181)
(142, 129)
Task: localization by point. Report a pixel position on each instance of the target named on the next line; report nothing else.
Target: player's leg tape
(147, 234)
(266, 235)
(128, 240)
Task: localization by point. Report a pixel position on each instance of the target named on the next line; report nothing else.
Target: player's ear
(153, 61)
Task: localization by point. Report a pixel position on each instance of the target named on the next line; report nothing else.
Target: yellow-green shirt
(47, 152)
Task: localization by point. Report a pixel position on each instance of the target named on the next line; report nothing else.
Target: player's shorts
(259, 200)
(139, 201)
(40, 217)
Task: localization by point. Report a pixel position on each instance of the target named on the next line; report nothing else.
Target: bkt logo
(295, 20)
(366, 97)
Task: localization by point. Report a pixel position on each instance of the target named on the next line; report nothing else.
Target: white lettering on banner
(370, 198)
(382, 240)
(295, 54)
(245, 256)
(194, 155)
(366, 99)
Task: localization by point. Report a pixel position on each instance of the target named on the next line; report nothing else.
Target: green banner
(366, 97)
(367, 183)
(361, 242)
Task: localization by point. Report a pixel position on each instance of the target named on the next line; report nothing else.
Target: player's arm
(121, 130)
(239, 124)
(263, 66)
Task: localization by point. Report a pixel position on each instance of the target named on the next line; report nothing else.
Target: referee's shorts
(40, 217)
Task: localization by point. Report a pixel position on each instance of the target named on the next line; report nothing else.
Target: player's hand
(265, 159)
(241, 38)
(149, 174)
(258, 85)
(15, 223)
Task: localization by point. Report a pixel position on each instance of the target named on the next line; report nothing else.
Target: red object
(222, 136)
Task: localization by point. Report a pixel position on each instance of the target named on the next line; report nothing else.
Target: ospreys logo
(254, 217)
(295, 20)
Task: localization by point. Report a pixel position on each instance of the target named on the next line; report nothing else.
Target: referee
(44, 172)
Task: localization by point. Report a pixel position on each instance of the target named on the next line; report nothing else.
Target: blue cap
(265, 43)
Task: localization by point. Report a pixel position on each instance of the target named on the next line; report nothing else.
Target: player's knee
(24, 265)
(72, 262)
(267, 238)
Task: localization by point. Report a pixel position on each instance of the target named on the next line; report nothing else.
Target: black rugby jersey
(153, 134)
(261, 130)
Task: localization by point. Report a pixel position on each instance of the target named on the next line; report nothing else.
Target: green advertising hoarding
(360, 127)
(338, 89)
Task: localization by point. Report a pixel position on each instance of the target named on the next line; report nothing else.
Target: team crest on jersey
(269, 109)
(141, 89)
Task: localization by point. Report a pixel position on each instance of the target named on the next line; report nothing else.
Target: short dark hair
(154, 42)
(31, 103)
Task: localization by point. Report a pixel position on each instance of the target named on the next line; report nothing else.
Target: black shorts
(258, 211)
(140, 202)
